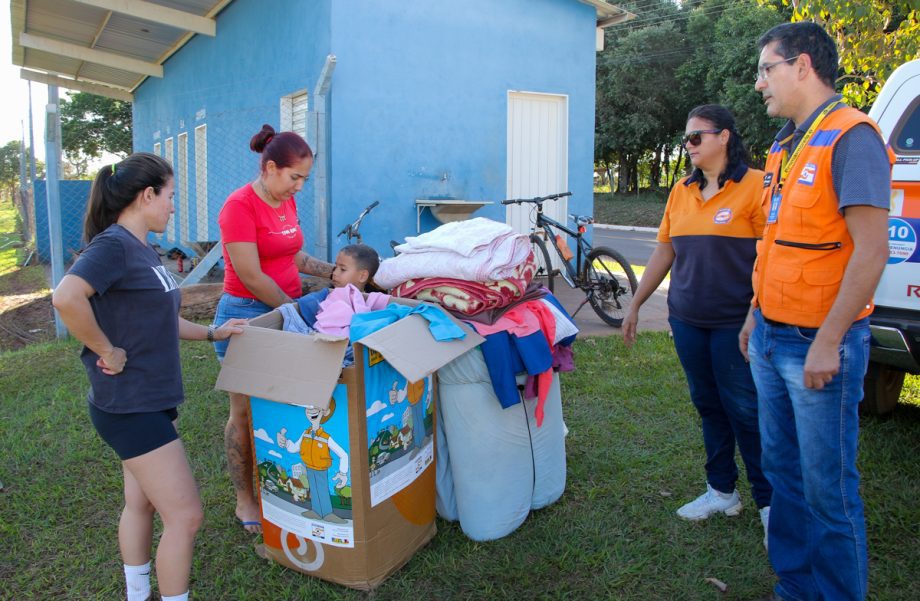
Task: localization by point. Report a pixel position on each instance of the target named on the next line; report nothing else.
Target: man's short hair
(808, 38)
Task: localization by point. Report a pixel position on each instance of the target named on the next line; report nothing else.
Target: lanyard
(789, 161)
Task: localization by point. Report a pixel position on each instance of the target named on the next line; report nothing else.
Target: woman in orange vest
(707, 240)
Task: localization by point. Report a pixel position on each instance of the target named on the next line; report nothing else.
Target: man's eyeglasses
(764, 70)
(694, 138)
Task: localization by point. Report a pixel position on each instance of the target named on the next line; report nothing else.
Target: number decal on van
(902, 240)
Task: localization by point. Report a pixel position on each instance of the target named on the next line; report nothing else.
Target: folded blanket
(462, 237)
(470, 297)
(451, 254)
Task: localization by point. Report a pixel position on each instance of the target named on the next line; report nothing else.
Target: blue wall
(420, 90)
(423, 91)
(74, 194)
(236, 80)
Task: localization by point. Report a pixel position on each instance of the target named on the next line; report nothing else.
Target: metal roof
(109, 47)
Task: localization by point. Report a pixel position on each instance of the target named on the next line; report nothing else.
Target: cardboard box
(345, 463)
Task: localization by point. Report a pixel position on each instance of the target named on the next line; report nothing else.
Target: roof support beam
(616, 19)
(155, 13)
(80, 86)
(90, 55)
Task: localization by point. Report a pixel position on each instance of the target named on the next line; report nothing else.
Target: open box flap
(282, 366)
(410, 348)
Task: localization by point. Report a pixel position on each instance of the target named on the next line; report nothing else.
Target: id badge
(774, 206)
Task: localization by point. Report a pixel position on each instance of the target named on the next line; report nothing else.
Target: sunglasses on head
(694, 138)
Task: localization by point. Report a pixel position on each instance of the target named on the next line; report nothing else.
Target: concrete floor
(652, 317)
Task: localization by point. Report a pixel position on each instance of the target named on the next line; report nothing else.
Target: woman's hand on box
(230, 328)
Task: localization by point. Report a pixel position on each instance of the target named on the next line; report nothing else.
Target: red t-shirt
(247, 218)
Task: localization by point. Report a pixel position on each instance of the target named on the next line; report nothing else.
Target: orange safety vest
(804, 253)
(314, 449)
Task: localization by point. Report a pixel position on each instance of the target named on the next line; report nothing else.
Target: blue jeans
(320, 499)
(229, 307)
(723, 392)
(817, 529)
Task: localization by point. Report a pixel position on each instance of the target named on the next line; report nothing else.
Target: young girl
(123, 305)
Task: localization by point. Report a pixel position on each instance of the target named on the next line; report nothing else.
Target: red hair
(284, 149)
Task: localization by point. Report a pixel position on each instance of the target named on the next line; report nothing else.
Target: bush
(644, 209)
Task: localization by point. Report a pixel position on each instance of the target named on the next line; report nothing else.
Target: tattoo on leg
(239, 459)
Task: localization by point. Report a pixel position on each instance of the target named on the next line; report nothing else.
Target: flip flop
(246, 524)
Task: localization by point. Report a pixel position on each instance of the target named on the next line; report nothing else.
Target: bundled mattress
(494, 465)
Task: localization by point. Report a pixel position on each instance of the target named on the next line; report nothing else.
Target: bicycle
(350, 231)
(603, 274)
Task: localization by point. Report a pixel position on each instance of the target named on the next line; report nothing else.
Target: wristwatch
(211, 333)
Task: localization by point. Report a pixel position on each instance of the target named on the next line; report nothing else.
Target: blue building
(420, 100)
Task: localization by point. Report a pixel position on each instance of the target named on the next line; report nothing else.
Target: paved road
(637, 247)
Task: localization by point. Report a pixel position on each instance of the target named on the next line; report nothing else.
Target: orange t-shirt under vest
(806, 245)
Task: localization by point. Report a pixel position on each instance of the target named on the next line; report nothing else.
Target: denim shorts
(134, 434)
(230, 307)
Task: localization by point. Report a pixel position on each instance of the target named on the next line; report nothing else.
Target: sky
(14, 94)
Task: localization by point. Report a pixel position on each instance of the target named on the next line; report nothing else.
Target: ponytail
(116, 187)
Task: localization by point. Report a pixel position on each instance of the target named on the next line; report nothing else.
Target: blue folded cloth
(439, 324)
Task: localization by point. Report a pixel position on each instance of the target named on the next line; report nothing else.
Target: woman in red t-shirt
(262, 241)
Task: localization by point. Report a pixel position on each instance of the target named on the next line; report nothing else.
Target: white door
(538, 142)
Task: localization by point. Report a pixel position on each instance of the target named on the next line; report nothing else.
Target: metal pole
(31, 169)
(31, 140)
(319, 139)
(52, 179)
(23, 205)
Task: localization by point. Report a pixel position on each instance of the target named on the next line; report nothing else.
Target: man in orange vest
(826, 193)
(316, 447)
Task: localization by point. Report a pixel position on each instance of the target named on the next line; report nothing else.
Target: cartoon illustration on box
(303, 464)
(315, 448)
(399, 428)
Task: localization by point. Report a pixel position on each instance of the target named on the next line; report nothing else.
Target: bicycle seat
(582, 219)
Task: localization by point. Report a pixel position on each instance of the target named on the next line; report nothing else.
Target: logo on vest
(767, 179)
(722, 216)
(808, 174)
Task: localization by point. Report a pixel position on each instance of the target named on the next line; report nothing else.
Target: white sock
(182, 597)
(138, 580)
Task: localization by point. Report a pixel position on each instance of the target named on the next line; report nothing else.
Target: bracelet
(211, 333)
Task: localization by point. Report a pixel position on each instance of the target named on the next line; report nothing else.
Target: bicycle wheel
(610, 284)
(545, 271)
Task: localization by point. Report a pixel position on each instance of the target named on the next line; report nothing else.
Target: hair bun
(258, 142)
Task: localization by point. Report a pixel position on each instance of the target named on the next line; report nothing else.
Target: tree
(722, 67)
(91, 125)
(873, 39)
(638, 104)
(9, 168)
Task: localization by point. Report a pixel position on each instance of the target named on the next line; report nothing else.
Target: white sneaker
(765, 520)
(710, 502)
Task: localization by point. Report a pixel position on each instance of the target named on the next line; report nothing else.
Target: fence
(210, 157)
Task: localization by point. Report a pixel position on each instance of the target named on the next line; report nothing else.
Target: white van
(896, 321)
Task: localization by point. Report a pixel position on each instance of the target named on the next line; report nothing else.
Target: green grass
(644, 209)
(10, 240)
(635, 454)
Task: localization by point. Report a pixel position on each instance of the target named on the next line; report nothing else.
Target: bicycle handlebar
(354, 225)
(536, 200)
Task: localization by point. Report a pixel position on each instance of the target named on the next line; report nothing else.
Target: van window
(906, 138)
